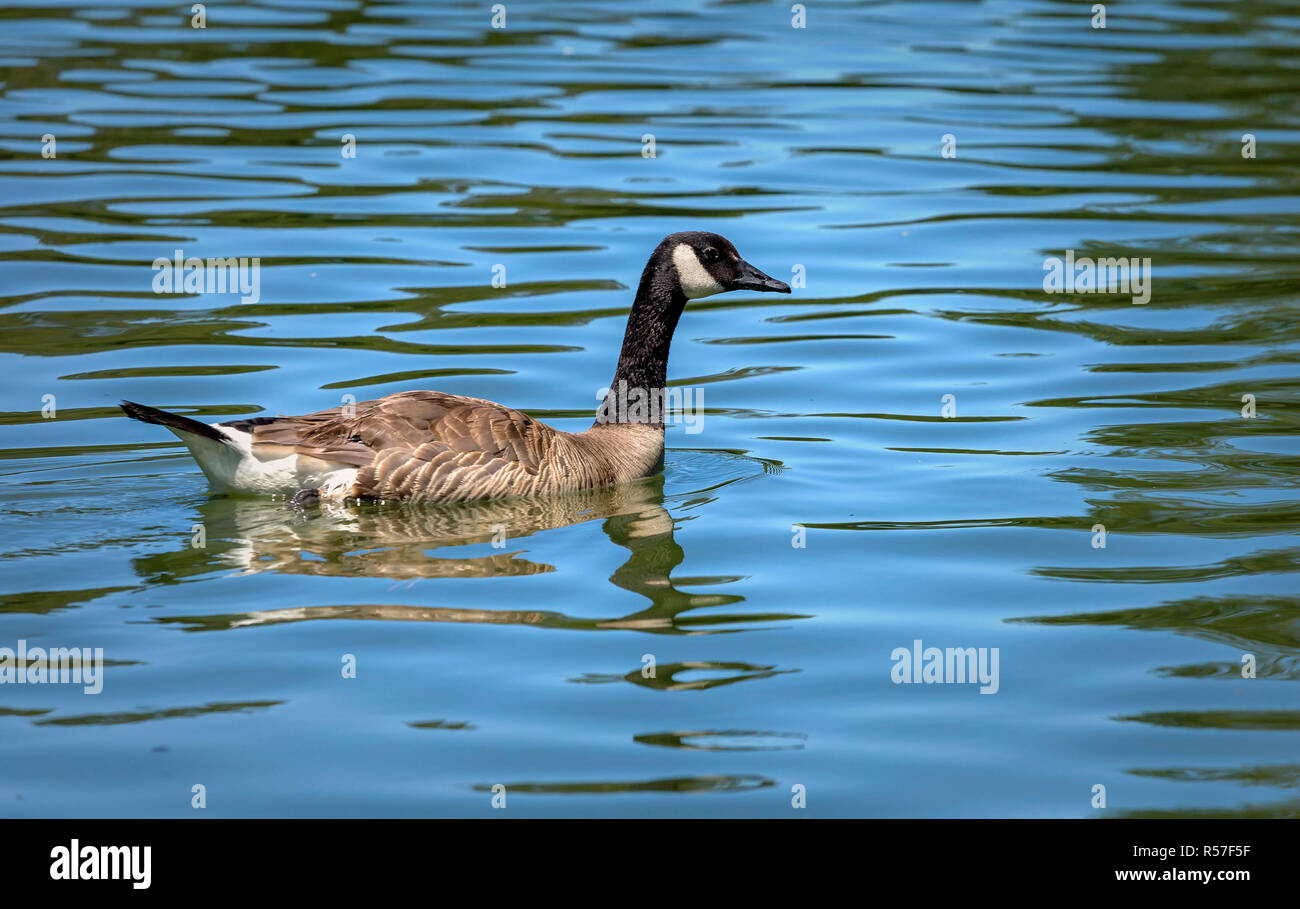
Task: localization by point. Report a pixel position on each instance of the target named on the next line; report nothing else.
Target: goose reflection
(399, 542)
(394, 541)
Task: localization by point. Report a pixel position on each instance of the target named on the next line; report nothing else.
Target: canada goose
(428, 446)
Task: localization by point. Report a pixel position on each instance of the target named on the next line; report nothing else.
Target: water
(529, 665)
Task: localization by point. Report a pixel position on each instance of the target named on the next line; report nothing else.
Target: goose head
(705, 264)
(684, 266)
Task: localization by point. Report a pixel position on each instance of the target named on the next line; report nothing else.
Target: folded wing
(421, 446)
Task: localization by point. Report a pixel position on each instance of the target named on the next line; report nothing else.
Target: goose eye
(710, 255)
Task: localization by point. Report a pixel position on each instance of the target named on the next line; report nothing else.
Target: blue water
(717, 641)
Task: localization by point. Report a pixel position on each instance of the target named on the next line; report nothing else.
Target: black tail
(174, 420)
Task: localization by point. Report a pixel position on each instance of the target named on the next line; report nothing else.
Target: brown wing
(422, 446)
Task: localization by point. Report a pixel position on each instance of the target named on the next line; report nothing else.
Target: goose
(430, 446)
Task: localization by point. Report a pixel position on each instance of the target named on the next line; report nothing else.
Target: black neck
(643, 361)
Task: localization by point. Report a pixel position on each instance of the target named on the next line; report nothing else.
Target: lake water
(724, 639)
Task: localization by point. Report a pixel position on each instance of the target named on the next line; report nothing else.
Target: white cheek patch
(694, 278)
